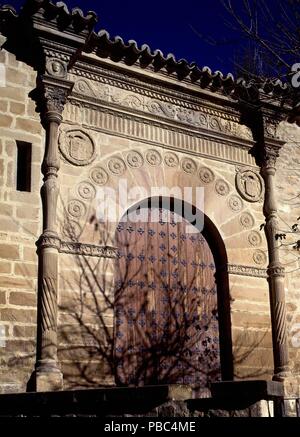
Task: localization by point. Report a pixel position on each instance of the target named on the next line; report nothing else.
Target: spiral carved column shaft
(48, 376)
(275, 274)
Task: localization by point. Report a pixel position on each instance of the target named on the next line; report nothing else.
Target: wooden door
(166, 321)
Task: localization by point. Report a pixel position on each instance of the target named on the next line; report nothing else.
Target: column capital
(269, 158)
(53, 95)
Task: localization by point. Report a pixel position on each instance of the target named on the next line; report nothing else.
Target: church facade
(141, 202)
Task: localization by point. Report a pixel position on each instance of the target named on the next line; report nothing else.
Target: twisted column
(275, 270)
(48, 376)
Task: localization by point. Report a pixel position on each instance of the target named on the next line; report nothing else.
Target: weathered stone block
(2, 297)
(24, 331)
(3, 105)
(27, 125)
(28, 213)
(247, 319)
(5, 267)
(16, 76)
(6, 209)
(13, 282)
(23, 299)
(48, 381)
(9, 251)
(16, 315)
(17, 108)
(29, 254)
(11, 93)
(25, 269)
(5, 120)
(9, 224)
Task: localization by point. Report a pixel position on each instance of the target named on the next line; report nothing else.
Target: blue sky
(171, 26)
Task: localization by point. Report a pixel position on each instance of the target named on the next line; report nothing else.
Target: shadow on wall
(179, 344)
(137, 331)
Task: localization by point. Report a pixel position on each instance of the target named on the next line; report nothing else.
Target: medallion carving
(249, 185)
(153, 158)
(246, 220)
(77, 147)
(188, 166)
(222, 188)
(206, 175)
(259, 257)
(235, 203)
(56, 67)
(254, 238)
(116, 166)
(135, 159)
(99, 176)
(76, 208)
(72, 230)
(171, 159)
(86, 191)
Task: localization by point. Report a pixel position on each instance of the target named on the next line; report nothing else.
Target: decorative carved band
(236, 269)
(49, 304)
(280, 322)
(74, 248)
(48, 241)
(150, 132)
(212, 119)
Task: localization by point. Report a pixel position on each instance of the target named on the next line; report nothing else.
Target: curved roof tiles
(130, 53)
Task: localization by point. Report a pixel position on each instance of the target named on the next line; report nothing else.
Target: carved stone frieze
(77, 147)
(86, 88)
(180, 139)
(276, 271)
(249, 184)
(173, 109)
(236, 269)
(48, 240)
(75, 248)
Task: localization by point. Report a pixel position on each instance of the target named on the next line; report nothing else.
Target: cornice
(162, 133)
(215, 131)
(187, 97)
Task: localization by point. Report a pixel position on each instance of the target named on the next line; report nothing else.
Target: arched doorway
(166, 325)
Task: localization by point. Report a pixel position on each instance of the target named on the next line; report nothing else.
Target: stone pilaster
(48, 376)
(275, 269)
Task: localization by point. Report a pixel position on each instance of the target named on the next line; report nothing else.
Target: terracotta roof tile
(130, 53)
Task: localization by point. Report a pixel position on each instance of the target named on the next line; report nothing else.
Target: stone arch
(217, 247)
(180, 170)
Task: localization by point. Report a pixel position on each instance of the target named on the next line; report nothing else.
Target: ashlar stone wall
(20, 226)
(287, 184)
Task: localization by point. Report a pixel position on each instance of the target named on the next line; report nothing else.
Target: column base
(48, 381)
(282, 376)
